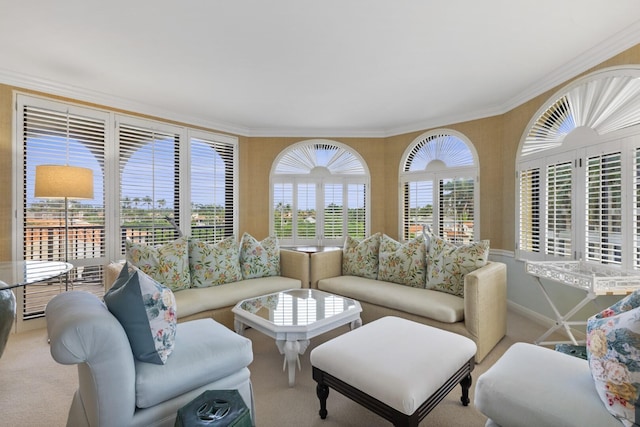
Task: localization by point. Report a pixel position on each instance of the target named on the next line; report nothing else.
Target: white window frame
(319, 177)
(598, 124)
(113, 250)
(436, 175)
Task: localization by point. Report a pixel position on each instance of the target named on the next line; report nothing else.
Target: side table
(594, 279)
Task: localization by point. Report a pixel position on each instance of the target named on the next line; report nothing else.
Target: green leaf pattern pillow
(447, 264)
(168, 264)
(360, 258)
(402, 263)
(259, 259)
(214, 264)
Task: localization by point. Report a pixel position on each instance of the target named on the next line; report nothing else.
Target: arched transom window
(319, 194)
(579, 173)
(438, 179)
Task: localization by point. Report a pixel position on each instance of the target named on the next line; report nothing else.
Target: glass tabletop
(297, 307)
(20, 273)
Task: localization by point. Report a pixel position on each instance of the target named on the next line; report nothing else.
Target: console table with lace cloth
(594, 279)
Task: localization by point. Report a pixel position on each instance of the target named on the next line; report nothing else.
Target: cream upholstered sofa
(216, 302)
(480, 315)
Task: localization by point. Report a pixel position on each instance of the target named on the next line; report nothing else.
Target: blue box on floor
(215, 408)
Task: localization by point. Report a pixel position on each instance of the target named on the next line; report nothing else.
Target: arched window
(579, 173)
(319, 194)
(439, 187)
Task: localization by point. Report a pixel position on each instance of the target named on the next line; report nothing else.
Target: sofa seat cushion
(440, 306)
(196, 300)
(205, 351)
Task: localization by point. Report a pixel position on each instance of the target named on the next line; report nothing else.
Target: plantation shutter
(418, 202)
(558, 204)
(636, 209)
(149, 184)
(283, 210)
(456, 210)
(306, 211)
(57, 135)
(356, 210)
(212, 193)
(333, 211)
(604, 208)
(529, 239)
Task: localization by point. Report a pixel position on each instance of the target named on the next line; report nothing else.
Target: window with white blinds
(604, 208)
(54, 134)
(319, 194)
(439, 187)
(558, 209)
(213, 172)
(587, 141)
(529, 218)
(149, 183)
(151, 179)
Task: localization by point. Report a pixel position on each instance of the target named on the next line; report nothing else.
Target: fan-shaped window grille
(577, 173)
(605, 104)
(439, 187)
(319, 194)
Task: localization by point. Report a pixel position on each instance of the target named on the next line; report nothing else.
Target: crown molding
(22, 81)
(623, 40)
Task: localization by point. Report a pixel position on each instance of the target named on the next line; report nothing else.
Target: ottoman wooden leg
(465, 384)
(322, 391)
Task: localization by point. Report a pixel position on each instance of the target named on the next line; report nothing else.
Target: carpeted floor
(36, 391)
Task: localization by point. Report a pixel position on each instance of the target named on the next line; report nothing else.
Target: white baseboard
(540, 319)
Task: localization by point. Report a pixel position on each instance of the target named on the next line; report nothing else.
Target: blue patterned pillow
(147, 312)
(613, 351)
(259, 259)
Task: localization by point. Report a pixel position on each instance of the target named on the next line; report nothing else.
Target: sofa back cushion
(259, 259)
(360, 257)
(447, 264)
(167, 264)
(402, 263)
(214, 264)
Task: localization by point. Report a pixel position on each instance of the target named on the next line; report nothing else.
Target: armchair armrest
(295, 265)
(325, 265)
(485, 306)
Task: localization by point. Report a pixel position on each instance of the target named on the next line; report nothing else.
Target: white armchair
(115, 389)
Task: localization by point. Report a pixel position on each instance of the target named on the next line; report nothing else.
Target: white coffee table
(295, 316)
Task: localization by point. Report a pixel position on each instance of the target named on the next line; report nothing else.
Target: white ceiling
(309, 68)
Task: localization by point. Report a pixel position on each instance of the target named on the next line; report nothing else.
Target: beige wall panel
(6, 158)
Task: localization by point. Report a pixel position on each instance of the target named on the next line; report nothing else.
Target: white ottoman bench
(397, 368)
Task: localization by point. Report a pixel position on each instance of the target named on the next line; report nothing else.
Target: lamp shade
(58, 182)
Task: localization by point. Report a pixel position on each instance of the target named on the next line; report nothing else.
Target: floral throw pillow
(402, 263)
(259, 259)
(613, 351)
(447, 264)
(214, 264)
(147, 312)
(360, 258)
(167, 264)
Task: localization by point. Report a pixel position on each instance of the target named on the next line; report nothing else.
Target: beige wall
(496, 140)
